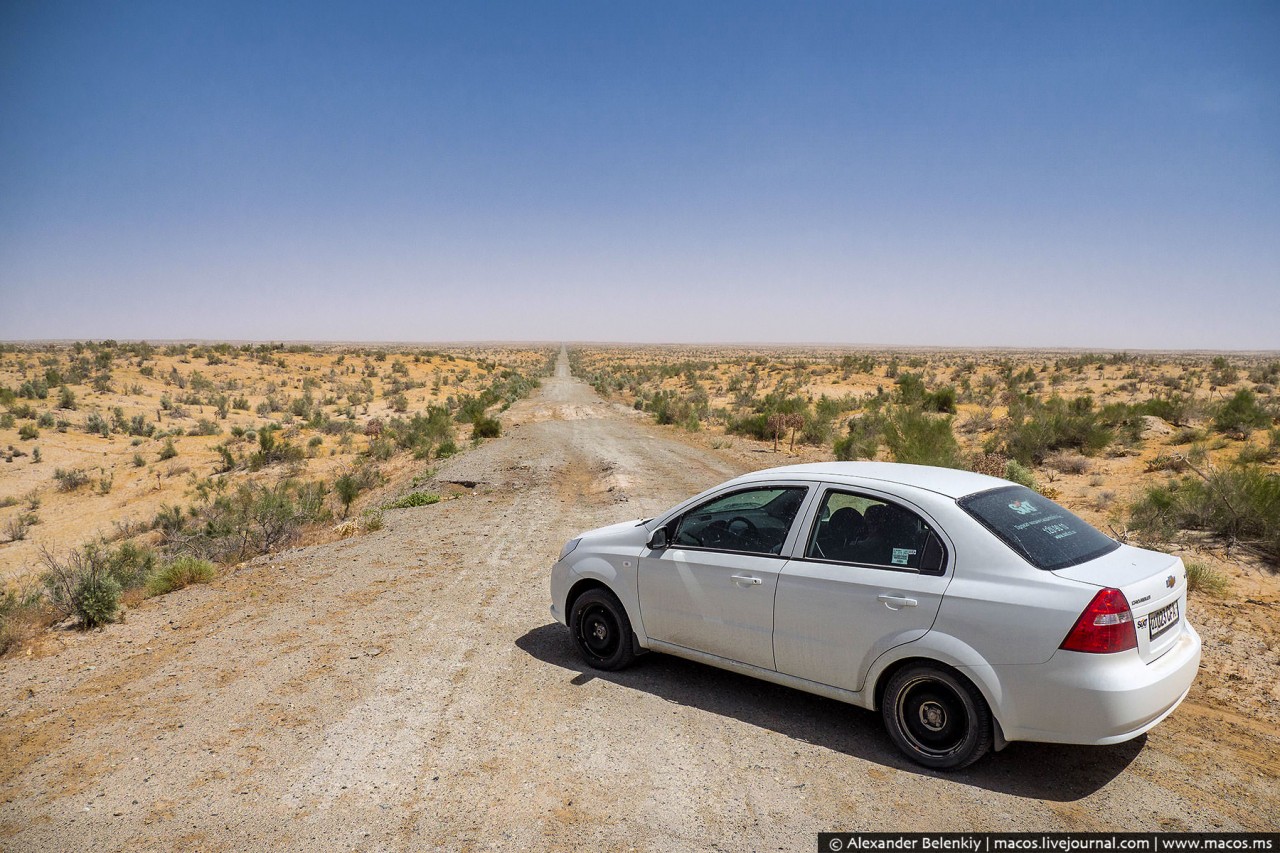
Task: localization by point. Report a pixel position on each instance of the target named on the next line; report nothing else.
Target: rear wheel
(601, 630)
(936, 717)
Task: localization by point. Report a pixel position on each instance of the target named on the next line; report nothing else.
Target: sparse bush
(1202, 577)
(1241, 414)
(1068, 463)
(1240, 503)
(863, 439)
(347, 488)
(28, 432)
(1034, 429)
(485, 428)
(138, 426)
(70, 479)
(414, 499)
(205, 427)
(178, 573)
(82, 586)
(1016, 472)
(16, 528)
(95, 424)
(169, 451)
(130, 564)
(915, 437)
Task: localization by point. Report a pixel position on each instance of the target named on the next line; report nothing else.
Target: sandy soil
(408, 689)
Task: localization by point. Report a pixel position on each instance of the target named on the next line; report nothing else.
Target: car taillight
(1105, 626)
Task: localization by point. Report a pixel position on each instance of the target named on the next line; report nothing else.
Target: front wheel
(601, 630)
(936, 717)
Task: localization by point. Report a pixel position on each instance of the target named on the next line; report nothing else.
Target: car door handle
(894, 602)
(747, 579)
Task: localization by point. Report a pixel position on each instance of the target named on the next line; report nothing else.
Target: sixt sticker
(1023, 507)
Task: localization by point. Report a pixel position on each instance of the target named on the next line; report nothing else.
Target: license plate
(1163, 619)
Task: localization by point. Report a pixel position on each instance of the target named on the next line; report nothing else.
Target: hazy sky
(1097, 174)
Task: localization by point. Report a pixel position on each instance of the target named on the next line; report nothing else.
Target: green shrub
(130, 564)
(1016, 472)
(205, 427)
(169, 450)
(1241, 414)
(1240, 503)
(95, 423)
(862, 441)
(28, 432)
(414, 499)
(178, 573)
(915, 437)
(347, 488)
(486, 428)
(70, 479)
(82, 586)
(1035, 428)
(1204, 578)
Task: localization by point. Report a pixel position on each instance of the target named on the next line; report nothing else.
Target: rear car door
(712, 588)
(869, 576)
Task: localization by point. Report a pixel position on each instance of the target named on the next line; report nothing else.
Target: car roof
(951, 482)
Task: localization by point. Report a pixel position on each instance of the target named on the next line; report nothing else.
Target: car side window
(752, 521)
(854, 528)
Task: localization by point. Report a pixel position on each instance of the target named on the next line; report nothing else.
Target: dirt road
(408, 689)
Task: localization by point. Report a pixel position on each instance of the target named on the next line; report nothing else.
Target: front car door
(869, 576)
(712, 588)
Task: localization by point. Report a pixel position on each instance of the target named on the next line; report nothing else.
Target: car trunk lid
(1155, 586)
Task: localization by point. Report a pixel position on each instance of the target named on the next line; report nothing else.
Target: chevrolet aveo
(969, 610)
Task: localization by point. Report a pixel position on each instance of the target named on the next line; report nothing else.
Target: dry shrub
(1068, 463)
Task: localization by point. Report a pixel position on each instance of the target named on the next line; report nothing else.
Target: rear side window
(853, 528)
(1046, 535)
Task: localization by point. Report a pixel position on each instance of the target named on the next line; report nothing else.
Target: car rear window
(1048, 536)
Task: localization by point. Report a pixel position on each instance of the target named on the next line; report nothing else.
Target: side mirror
(658, 540)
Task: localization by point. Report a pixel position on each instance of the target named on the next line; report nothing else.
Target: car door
(711, 589)
(869, 576)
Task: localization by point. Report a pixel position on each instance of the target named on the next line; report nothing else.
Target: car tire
(601, 630)
(936, 717)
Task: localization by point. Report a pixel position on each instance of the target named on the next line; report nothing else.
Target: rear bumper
(1095, 699)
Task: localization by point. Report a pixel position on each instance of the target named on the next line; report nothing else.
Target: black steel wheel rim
(932, 716)
(598, 631)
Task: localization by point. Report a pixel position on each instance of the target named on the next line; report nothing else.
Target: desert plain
(368, 661)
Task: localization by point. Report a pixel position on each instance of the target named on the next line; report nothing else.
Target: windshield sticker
(1024, 525)
(902, 555)
(1023, 507)
(1058, 531)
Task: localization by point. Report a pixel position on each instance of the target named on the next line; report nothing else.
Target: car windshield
(1048, 536)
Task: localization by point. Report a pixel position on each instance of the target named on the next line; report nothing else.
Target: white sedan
(971, 611)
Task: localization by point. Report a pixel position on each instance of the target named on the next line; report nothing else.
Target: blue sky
(919, 173)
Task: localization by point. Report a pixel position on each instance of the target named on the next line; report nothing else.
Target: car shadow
(1032, 770)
